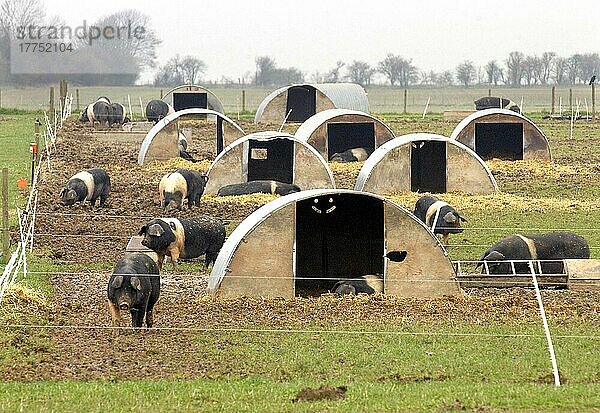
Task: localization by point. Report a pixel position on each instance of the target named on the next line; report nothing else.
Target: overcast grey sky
(312, 35)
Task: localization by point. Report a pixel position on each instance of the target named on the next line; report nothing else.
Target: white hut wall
(309, 172)
(465, 173)
(262, 265)
(426, 271)
(164, 144)
(392, 173)
(228, 170)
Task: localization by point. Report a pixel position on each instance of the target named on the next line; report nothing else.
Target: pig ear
(461, 217)
(143, 230)
(450, 218)
(63, 192)
(494, 256)
(117, 281)
(155, 230)
(172, 225)
(135, 283)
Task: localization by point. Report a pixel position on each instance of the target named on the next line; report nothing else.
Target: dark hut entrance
(272, 159)
(499, 140)
(428, 166)
(344, 136)
(189, 100)
(302, 101)
(337, 237)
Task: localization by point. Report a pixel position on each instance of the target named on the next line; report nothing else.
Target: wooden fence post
(77, 99)
(5, 237)
(37, 143)
(51, 102)
(490, 92)
(593, 100)
(571, 100)
(405, 95)
(553, 100)
(243, 100)
(161, 93)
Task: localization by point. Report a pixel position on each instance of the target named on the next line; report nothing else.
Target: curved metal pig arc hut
(161, 142)
(269, 156)
(300, 102)
(337, 130)
(503, 134)
(303, 243)
(193, 96)
(425, 162)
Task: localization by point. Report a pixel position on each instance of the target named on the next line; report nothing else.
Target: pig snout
(145, 242)
(124, 306)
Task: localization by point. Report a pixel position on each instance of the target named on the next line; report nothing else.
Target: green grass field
(475, 365)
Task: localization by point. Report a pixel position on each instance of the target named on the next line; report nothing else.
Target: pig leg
(445, 239)
(175, 258)
(115, 313)
(149, 319)
(211, 257)
(103, 197)
(137, 318)
(161, 259)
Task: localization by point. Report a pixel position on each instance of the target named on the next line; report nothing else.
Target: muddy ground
(76, 343)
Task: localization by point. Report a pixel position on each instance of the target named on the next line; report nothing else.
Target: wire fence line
(292, 330)
(27, 217)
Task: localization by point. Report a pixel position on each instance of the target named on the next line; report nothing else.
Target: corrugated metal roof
(213, 100)
(383, 150)
(307, 128)
(486, 112)
(170, 118)
(342, 95)
(345, 95)
(257, 217)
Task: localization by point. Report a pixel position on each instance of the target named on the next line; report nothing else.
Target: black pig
(157, 109)
(99, 111)
(87, 186)
(351, 155)
(184, 238)
(182, 184)
(552, 246)
(134, 286)
(367, 284)
(253, 187)
(117, 115)
(490, 102)
(448, 221)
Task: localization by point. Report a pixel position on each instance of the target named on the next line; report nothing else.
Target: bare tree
(466, 73)
(546, 64)
(192, 68)
(572, 68)
(360, 72)
(142, 47)
(268, 74)
(13, 15)
(446, 78)
(530, 65)
(265, 66)
(514, 68)
(560, 70)
(333, 76)
(493, 72)
(398, 70)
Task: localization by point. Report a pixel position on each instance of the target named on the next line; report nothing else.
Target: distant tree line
(137, 53)
(516, 70)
